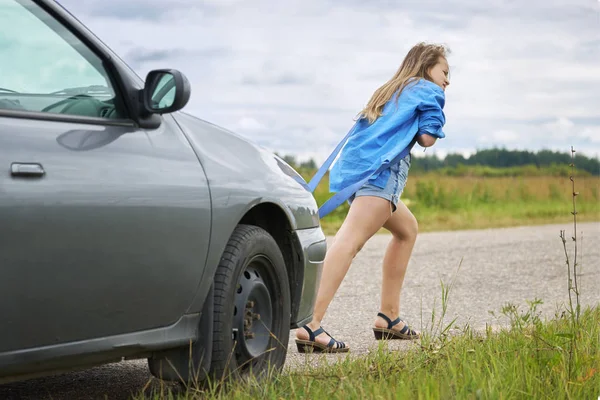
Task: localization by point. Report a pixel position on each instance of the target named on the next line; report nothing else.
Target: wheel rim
(253, 312)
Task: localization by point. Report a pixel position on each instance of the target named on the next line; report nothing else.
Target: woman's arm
(426, 140)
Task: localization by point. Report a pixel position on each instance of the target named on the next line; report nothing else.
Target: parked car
(130, 229)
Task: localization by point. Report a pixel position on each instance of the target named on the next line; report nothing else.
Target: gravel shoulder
(497, 266)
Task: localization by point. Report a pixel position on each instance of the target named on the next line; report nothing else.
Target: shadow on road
(113, 381)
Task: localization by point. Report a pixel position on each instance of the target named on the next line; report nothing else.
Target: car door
(104, 226)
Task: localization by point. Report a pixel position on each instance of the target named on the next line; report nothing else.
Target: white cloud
(505, 136)
(293, 75)
(592, 133)
(559, 128)
(249, 124)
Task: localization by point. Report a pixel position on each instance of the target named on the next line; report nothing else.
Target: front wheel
(251, 306)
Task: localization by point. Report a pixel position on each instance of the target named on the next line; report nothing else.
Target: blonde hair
(417, 62)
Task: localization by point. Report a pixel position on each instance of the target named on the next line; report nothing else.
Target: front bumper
(314, 248)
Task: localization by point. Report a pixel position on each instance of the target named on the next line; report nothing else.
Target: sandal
(388, 333)
(312, 346)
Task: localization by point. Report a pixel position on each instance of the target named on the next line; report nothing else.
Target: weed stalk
(573, 286)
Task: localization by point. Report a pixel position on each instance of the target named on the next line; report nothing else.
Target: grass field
(533, 359)
(442, 202)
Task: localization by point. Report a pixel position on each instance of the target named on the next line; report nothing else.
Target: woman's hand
(426, 140)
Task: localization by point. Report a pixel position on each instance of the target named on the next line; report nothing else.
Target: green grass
(473, 202)
(531, 359)
(563, 170)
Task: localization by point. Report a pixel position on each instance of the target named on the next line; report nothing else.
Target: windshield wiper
(92, 89)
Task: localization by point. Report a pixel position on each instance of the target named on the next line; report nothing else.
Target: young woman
(407, 108)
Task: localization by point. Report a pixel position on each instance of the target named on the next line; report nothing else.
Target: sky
(292, 75)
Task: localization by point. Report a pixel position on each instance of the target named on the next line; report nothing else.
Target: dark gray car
(130, 229)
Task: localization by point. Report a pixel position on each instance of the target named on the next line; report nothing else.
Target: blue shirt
(418, 110)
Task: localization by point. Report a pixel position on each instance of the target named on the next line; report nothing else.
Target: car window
(45, 68)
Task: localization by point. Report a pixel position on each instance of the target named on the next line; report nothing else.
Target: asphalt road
(496, 267)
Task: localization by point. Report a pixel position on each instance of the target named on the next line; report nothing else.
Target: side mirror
(165, 91)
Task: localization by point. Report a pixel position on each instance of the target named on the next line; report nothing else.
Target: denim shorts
(394, 187)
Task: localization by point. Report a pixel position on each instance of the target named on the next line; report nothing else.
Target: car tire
(251, 323)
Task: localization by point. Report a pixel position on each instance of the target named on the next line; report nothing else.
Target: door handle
(27, 169)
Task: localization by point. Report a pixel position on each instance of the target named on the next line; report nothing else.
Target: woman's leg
(366, 216)
(403, 226)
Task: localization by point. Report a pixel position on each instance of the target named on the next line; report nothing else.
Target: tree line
(494, 158)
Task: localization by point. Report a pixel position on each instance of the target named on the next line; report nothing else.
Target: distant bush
(489, 163)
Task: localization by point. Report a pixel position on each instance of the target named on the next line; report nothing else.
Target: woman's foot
(317, 341)
(385, 328)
